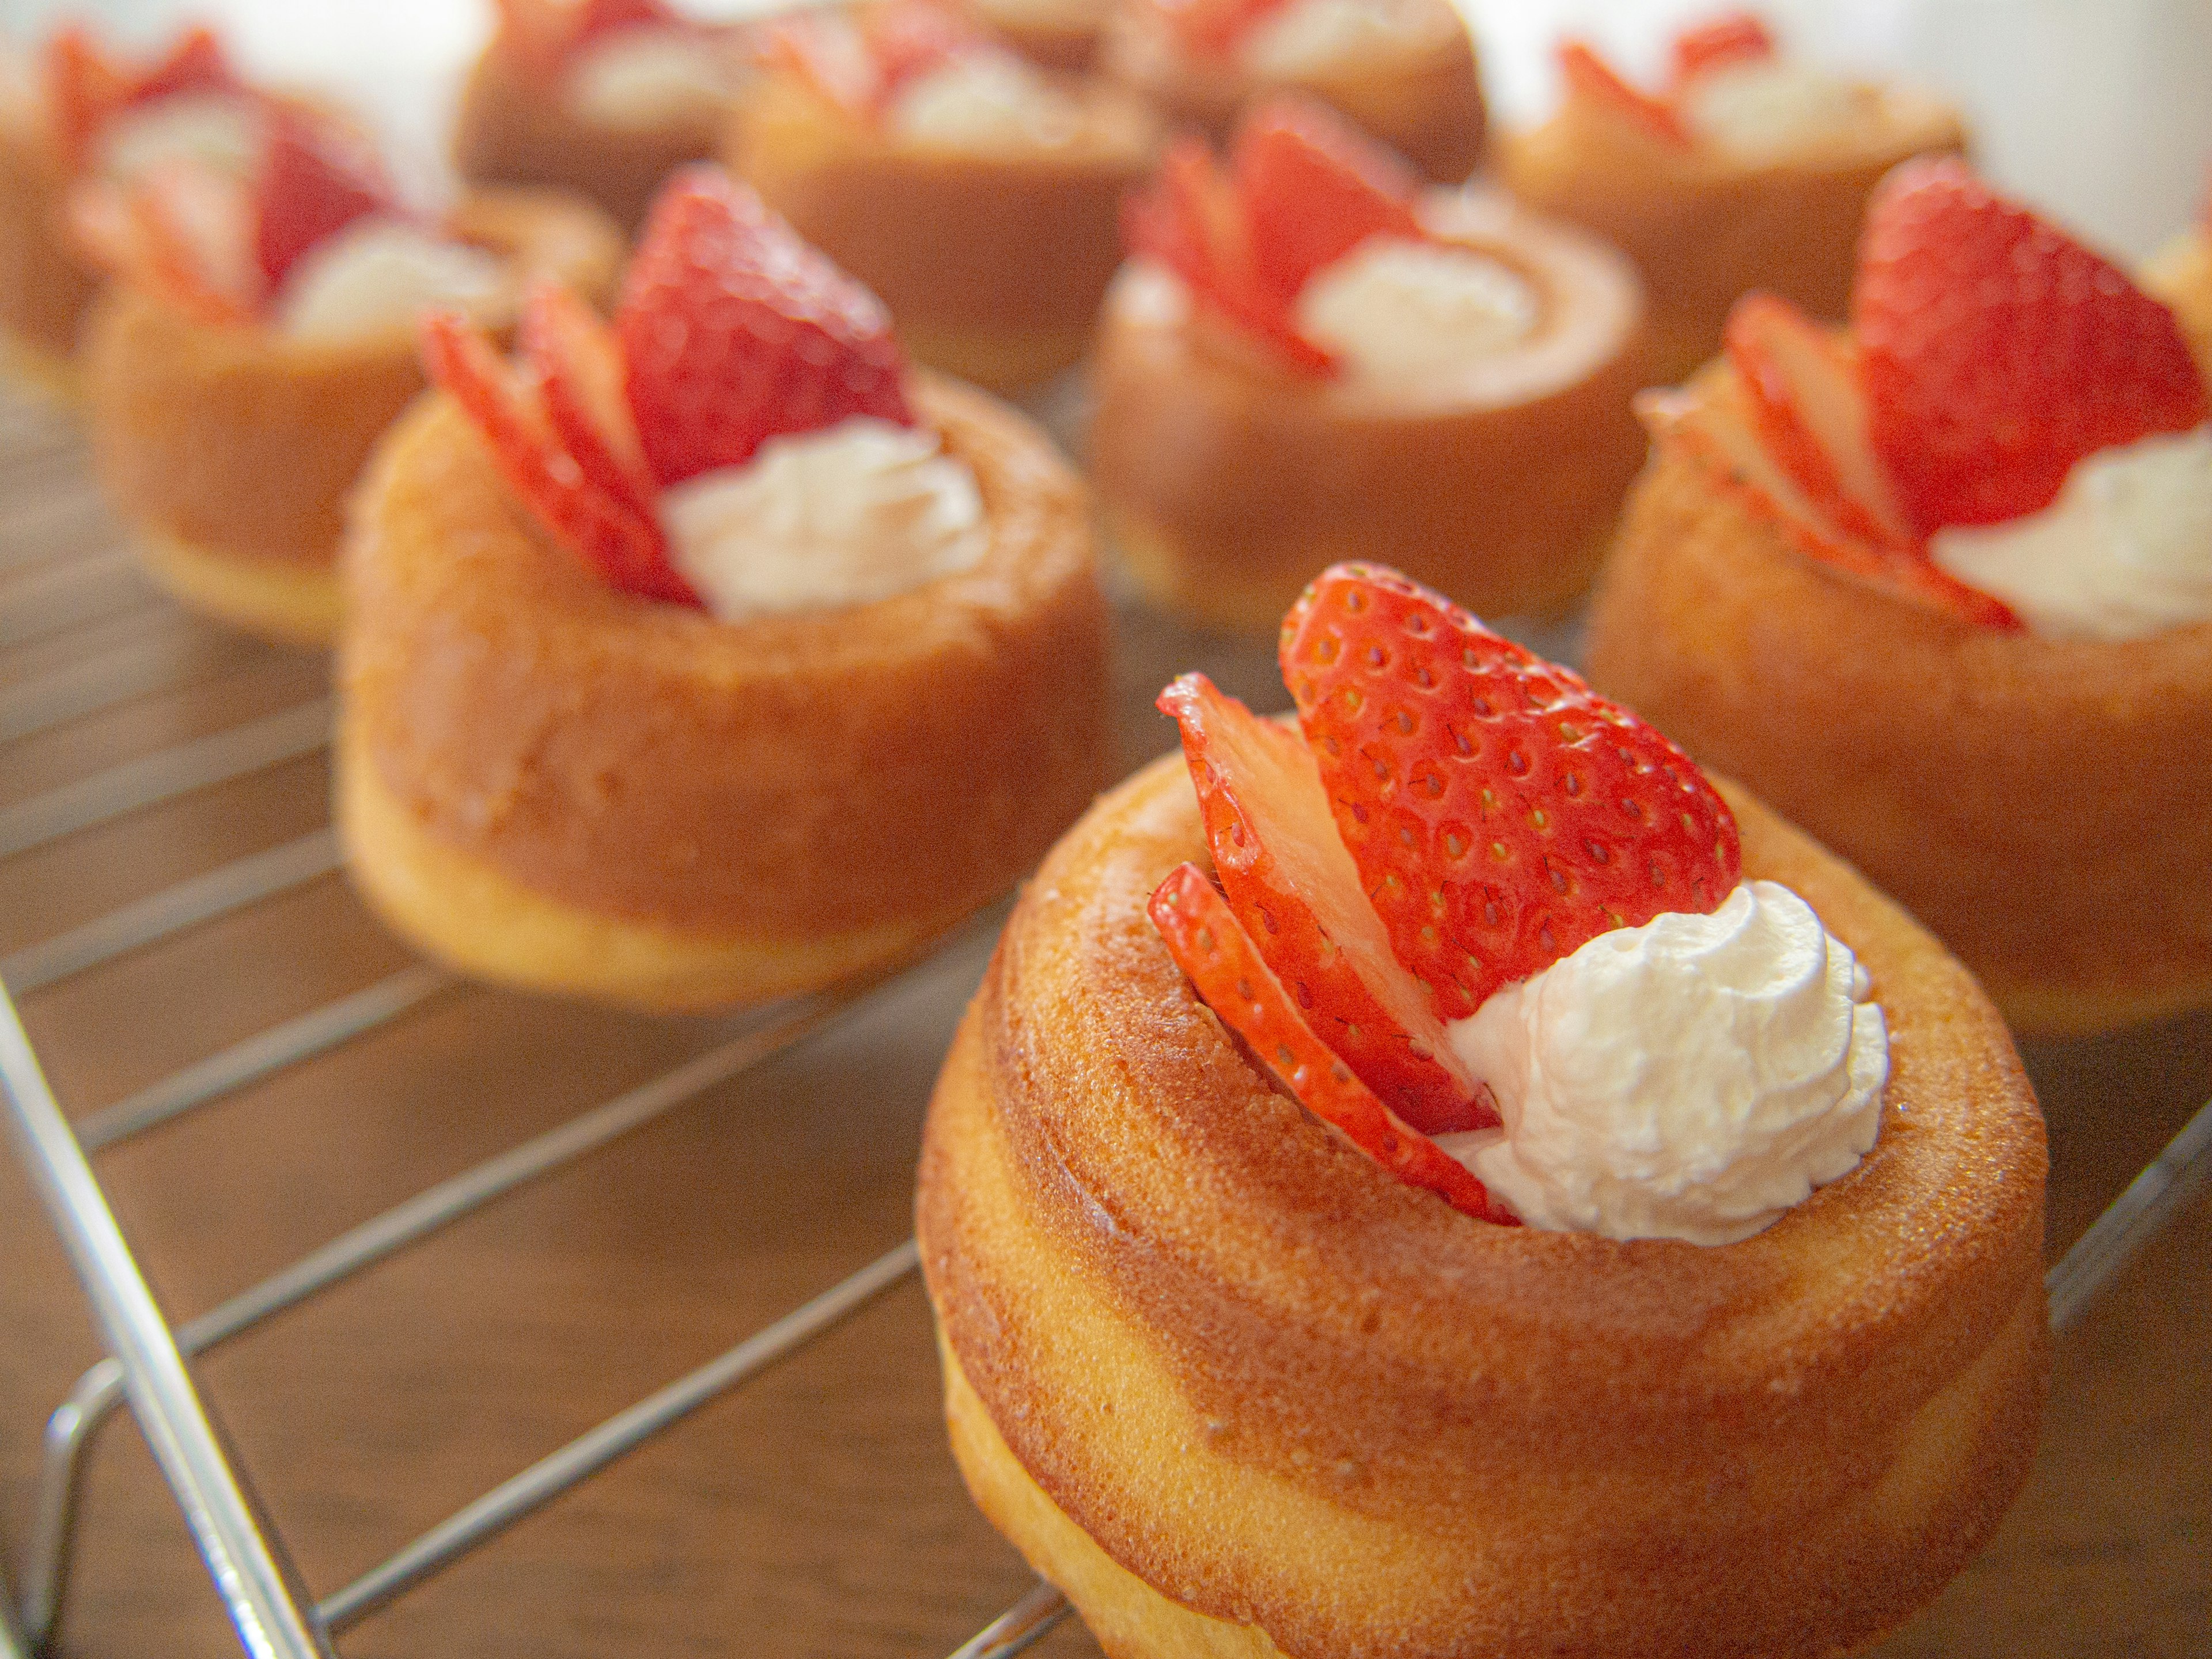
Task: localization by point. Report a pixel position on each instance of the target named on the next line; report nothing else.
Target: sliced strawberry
(827, 53)
(180, 233)
(1313, 188)
(1737, 38)
(1589, 77)
(1210, 946)
(625, 546)
(1209, 28)
(1802, 384)
(1192, 221)
(581, 377)
(1997, 352)
(735, 331)
(1744, 466)
(909, 38)
(85, 88)
(1500, 811)
(1294, 887)
(197, 63)
(317, 178)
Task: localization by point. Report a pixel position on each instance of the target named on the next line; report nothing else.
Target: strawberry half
(1739, 463)
(1210, 946)
(618, 539)
(1500, 811)
(1997, 352)
(1295, 888)
(1802, 381)
(317, 178)
(1313, 189)
(1589, 77)
(1736, 38)
(581, 377)
(1193, 221)
(734, 331)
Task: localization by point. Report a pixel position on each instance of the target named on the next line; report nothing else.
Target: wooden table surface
(814, 1511)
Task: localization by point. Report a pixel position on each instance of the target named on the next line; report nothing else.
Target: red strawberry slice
(1313, 189)
(1802, 384)
(1589, 77)
(1741, 464)
(1210, 946)
(581, 377)
(1193, 222)
(1292, 883)
(824, 52)
(624, 545)
(1500, 811)
(909, 38)
(197, 63)
(1737, 38)
(317, 178)
(1997, 352)
(735, 331)
(85, 88)
(1209, 28)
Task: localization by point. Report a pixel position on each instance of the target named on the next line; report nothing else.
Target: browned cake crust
(44, 287)
(2038, 802)
(513, 128)
(236, 447)
(1285, 1390)
(1426, 105)
(991, 266)
(1228, 483)
(870, 773)
(1705, 227)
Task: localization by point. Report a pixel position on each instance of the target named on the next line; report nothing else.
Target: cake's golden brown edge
(44, 287)
(992, 266)
(1286, 1391)
(1228, 483)
(2017, 793)
(512, 128)
(864, 776)
(1705, 227)
(234, 444)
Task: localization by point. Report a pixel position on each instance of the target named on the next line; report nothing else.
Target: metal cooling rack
(276, 1616)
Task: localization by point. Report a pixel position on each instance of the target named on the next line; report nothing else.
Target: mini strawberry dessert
(1308, 356)
(975, 192)
(1941, 589)
(259, 334)
(1750, 170)
(708, 656)
(1402, 69)
(1374, 1193)
(603, 97)
(74, 113)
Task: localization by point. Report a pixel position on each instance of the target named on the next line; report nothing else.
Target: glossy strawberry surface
(1997, 351)
(1500, 812)
(1313, 189)
(1286, 874)
(1211, 947)
(734, 331)
(317, 178)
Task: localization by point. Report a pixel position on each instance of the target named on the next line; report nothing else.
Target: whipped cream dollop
(986, 100)
(378, 274)
(819, 520)
(1395, 309)
(652, 75)
(1308, 38)
(1690, 1079)
(2125, 551)
(218, 131)
(1766, 106)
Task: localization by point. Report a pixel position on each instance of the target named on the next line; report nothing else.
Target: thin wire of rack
(275, 1615)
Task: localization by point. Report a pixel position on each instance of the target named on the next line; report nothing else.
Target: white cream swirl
(219, 131)
(1395, 309)
(636, 79)
(378, 274)
(1309, 38)
(1690, 1079)
(2125, 551)
(990, 102)
(820, 520)
(1766, 107)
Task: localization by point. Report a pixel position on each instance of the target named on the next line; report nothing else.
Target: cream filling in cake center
(1691, 1078)
(1308, 38)
(988, 102)
(378, 274)
(821, 520)
(1396, 310)
(637, 79)
(1766, 108)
